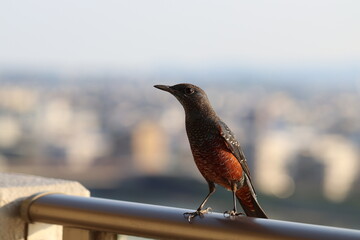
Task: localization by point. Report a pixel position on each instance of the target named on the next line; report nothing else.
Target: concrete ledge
(16, 187)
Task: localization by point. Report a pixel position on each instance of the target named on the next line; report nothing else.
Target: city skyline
(81, 126)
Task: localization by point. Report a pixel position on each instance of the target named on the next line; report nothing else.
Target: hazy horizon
(143, 35)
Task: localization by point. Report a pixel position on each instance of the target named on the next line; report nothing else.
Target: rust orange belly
(219, 166)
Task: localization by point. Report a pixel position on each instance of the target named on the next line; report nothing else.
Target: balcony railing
(104, 219)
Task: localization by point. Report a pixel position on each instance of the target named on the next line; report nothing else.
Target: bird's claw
(232, 213)
(199, 212)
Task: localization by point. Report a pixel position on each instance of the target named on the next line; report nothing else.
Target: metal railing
(119, 217)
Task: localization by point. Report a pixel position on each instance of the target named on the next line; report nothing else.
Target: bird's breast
(212, 157)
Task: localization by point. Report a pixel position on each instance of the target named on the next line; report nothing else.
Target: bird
(216, 152)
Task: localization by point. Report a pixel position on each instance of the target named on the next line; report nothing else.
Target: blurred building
(150, 149)
(79, 126)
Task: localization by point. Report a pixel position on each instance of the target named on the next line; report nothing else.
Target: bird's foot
(232, 213)
(199, 212)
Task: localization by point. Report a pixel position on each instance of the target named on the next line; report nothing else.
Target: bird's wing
(234, 146)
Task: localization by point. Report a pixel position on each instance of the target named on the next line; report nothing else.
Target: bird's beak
(164, 88)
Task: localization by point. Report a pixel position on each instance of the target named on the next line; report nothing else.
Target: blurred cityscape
(301, 138)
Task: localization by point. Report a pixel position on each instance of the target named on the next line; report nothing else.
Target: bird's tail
(249, 203)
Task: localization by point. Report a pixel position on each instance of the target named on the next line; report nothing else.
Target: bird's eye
(189, 91)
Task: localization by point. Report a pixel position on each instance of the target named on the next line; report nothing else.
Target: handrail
(160, 222)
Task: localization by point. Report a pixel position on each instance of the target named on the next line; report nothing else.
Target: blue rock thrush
(216, 151)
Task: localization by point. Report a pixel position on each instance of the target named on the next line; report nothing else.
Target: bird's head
(190, 96)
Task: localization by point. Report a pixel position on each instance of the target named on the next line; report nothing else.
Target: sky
(143, 34)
